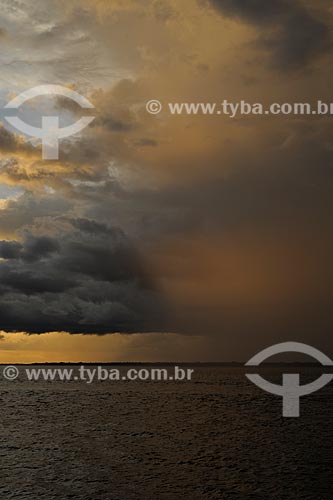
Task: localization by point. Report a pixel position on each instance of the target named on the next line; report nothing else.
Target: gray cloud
(10, 249)
(288, 28)
(87, 278)
(23, 211)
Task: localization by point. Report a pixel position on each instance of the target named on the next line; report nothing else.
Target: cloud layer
(86, 278)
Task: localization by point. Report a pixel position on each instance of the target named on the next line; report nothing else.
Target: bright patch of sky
(7, 192)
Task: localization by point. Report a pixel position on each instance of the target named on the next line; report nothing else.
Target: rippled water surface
(217, 437)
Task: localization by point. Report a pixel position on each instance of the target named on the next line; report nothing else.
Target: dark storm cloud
(268, 215)
(10, 249)
(88, 278)
(37, 248)
(290, 31)
(250, 192)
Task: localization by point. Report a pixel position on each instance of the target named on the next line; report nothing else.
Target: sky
(161, 237)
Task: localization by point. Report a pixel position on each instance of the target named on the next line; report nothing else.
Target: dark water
(218, 437)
